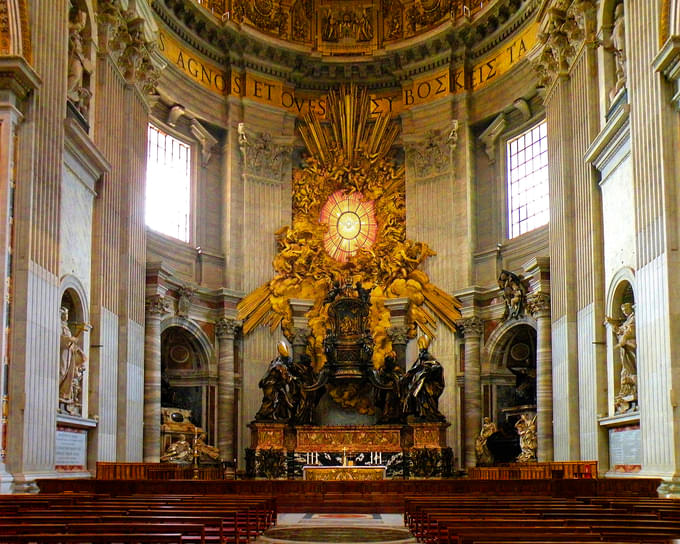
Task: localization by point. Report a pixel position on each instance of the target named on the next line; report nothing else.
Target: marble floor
(327, 528)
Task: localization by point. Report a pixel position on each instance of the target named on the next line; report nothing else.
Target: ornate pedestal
(429, 456)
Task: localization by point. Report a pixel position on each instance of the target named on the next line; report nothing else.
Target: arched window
(168, 185)
(527, 162)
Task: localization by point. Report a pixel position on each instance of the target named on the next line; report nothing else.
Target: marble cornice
(242, 47)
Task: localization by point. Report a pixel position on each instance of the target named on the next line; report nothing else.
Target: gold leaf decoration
(351, 152)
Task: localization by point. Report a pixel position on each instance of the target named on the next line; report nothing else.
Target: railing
(157, 471)
(537, 471)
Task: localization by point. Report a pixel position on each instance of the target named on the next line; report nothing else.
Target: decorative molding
(433, 155)
(472, 327)
(567, 25)
(523, 107)
(125, 36)
(174, 115)
(184, 296)
(226, 328)
(398, 335)
(300, 336)
(538, 304)
(490, 136)
(668, 63)
(207, 140)
(262, 157)
(156, 305)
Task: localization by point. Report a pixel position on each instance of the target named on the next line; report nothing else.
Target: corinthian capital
(262, 156)
(538, 304)
(472, 327)
(398, 335)
(226, 327)
(157, 305)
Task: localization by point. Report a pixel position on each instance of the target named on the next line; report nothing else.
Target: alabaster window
(528, 180)
(168, 185)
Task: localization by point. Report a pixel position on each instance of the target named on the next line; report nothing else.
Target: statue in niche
(79, 65)
(178, 452)
(514, 294)
(625, 399)
(616, 44)
(387, 382)
(528, 440)
(72, 361)
(278, 404)
(484, 455)
(422, 385)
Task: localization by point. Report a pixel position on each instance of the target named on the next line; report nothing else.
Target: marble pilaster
(156, 306)
(472, 329)
(225, 330)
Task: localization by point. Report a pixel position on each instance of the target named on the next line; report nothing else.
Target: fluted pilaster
(472, 329)
(225, 330)
(539, 306)
(156, 306)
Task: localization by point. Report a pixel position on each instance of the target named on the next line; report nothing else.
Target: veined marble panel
(618, 211)
(75, 231)
(42, 370)
(107, 387)
(134, 405)
(560, 366)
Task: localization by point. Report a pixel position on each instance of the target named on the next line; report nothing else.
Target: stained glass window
(351, 224)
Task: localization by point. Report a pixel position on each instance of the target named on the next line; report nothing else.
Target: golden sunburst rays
(349, 155)
(350, 130)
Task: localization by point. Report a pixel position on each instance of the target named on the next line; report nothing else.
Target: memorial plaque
(70, 453)
(624, 449)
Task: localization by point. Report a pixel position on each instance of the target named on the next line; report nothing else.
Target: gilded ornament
(350, 154)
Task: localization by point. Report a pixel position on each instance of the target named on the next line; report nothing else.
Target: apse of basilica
(409, 237)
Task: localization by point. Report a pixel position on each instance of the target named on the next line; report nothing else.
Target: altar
(344, 473)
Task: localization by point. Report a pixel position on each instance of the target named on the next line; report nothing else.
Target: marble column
(225, 330)
(472, 329)
(539, 306)
(156, 306)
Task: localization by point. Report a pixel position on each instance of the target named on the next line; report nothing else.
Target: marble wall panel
(75, 233)
(618, 213)
(42, 370)
(588, 387)
(654, 368)
(132, 432)
(105, 389)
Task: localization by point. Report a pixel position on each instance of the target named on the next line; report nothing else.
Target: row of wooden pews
(465, 519)
(97, 518)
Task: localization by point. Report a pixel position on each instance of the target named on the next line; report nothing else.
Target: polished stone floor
(325, 528)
